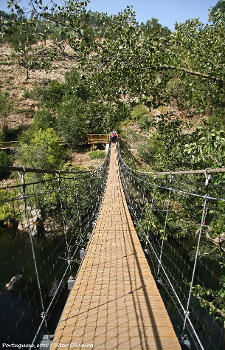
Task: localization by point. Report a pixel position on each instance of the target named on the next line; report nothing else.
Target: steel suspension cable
(54, 296)
(159, 258)
(32, 246)
(176, 295)
(165, 226)
(197, 250)
(63, 217)
(81, 241)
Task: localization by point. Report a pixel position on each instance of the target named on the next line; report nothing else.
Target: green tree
(148, 65)
(154, 28)
(43, 151)
(43, 119)
(51, 96)
(170, 147)
(23, 33)
(5, 108)
(218, 11)
(76, 119)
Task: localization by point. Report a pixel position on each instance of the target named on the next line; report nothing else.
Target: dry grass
(13, 81)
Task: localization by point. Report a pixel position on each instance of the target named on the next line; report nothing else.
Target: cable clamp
(43, 314)
(187, 313)
(207, 177)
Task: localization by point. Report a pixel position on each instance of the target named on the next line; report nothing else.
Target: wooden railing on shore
(91, 139)
(13, 144)
(8, 145)
(97, 138)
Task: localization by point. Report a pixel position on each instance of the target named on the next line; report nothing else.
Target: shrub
(51, 96)
(139, 111)
(120, 113)
(44, 151)
(174, 145)
(7, 210)
(144, 122)
(11, 134)
(44, 119)
(76, 119)
(71, 122)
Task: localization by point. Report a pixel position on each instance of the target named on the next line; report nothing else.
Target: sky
(167, 11)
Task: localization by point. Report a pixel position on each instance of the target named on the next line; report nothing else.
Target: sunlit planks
(115, 303)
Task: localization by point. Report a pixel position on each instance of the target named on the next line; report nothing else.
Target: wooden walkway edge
(115, 303)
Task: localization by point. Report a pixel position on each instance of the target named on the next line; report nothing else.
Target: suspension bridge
(115, 303)
(123, 219)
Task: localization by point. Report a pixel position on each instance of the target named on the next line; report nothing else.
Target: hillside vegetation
(67, 72)
(81, 72)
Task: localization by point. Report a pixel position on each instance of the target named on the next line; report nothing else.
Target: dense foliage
(97, 154)
(123, 66)
(73, 111)
(174, 144)
(122, 60)
(42, 151)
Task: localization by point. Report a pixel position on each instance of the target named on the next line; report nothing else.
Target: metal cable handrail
(134, 184)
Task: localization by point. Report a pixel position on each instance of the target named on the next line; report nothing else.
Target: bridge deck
(115, 303)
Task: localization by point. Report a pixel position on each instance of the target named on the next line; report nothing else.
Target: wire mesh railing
(179, 218)
(46, 220)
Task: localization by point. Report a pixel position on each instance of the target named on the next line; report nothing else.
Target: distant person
(114, 137)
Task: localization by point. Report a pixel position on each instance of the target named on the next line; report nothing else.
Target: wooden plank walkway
(115, 303)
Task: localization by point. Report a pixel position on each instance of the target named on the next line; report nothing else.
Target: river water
(20, 308)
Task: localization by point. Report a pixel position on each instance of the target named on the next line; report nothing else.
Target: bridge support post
(46, 341)
(70, 282)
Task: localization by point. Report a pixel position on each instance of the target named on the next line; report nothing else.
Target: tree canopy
(119, 59)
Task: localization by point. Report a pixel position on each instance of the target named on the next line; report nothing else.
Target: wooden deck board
(115, 303)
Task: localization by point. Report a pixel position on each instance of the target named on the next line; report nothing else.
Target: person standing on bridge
(114, 136)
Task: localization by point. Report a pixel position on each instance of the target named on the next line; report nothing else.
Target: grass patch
(97, 154)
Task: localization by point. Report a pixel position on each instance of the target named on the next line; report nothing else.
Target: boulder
(220, 239)
(15, 283)
(34, 225)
